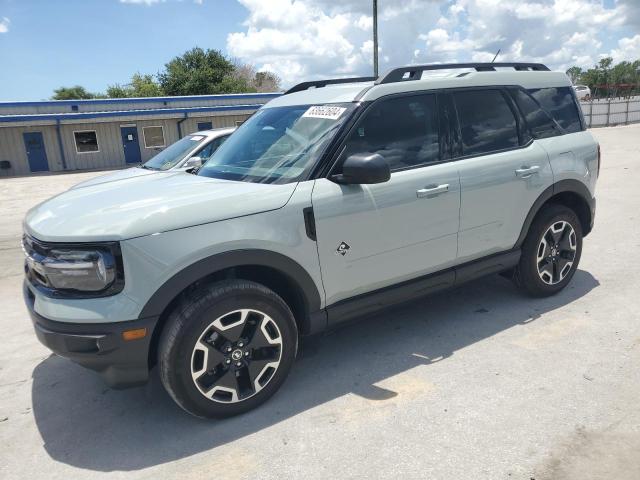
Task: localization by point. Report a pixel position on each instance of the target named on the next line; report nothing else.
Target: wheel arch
(275, 271)
(571, 193)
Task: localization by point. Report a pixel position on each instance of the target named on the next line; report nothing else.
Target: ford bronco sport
(334, 199)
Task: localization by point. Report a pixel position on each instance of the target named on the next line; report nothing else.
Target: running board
(420, 287)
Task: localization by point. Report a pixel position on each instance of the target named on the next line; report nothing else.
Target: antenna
(497, 53)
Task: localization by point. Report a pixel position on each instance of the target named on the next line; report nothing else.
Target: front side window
(560, 104)
(487, 123)
(174, 153)
(153, 137)
(403, 130)
(86, 141)
(211, 148)
(277, 145)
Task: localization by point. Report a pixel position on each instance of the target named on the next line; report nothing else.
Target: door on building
(204, 126)
(130, 144)
(34, 143)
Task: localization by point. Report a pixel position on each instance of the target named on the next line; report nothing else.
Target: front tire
(551, 252)
(227, 348)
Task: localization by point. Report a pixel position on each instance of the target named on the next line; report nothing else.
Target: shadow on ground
(85, 424)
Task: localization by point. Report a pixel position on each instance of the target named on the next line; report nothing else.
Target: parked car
(187, 153)
(327, 204)
(582, 92)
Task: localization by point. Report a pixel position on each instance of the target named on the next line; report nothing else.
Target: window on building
(153, 137)
(539, 122)
(205, 126)
(486, 121)
(560, 104)
(86, 141)
(403, 130)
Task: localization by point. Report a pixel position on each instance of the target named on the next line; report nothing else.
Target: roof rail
(413, 72)
(323, 83)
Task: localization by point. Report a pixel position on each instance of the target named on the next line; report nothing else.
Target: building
(65, 135)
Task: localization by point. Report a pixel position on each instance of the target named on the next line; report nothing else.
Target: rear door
(502, 172)
(373, 236)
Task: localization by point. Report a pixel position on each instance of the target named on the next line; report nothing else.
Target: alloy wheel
(236, 356)
(556, 252)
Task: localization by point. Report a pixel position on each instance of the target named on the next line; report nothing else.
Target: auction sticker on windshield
(324, 111)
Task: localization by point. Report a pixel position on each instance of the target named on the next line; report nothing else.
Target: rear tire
(551, 252)
(227, 348)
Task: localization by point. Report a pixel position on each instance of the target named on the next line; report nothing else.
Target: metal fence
(607, 112)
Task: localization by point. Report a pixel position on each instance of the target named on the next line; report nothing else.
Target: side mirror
(193, 162)
(363, 168)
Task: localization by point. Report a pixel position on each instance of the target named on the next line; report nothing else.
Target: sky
(45, 44)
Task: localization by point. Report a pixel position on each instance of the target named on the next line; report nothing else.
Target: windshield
(170, 156)
(277, 145)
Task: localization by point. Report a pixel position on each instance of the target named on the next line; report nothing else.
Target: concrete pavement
(480, 382)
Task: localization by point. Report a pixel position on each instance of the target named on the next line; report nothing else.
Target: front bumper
(97, 346)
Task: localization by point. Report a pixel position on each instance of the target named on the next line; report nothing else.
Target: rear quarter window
(538, 121)
(559, 102)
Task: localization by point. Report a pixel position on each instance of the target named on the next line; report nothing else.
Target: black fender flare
(573, 186)
(164, 295)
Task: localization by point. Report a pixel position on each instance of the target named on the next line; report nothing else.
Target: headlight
(81, 270)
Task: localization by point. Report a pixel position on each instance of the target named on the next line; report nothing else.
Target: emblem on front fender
(342, 249)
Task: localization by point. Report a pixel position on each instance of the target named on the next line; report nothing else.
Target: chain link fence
(606, 112)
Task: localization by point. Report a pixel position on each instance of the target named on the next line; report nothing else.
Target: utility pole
(375, 38)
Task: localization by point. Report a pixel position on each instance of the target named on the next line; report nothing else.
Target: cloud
(304, 39)
(4, 24)
(310, 39)
(628, 49)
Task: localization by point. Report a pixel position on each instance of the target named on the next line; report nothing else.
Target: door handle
(526, 172)
(432, 190)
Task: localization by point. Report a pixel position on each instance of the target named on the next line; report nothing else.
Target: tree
(267, 82)
(574, 74)
(606, 73)
(257, 81)
(195, 72)
(201, 72)
(118, 91)
(76, 92)
(140, 86)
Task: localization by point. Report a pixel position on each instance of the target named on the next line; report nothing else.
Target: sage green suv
(333, 200)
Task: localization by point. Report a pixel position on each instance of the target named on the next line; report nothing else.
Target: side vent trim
(309, 223)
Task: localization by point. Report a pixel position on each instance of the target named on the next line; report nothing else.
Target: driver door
(373, 236)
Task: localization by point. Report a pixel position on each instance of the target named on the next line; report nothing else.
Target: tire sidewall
(199, 318)
(529, 276)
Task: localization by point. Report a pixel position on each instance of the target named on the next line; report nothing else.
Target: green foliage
(196, 72)
(201, 72)
(574, 74)
(140, 86)
(606, 73)
(73, 93)
(118, 91)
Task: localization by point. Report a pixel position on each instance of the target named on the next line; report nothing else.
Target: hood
(115, 176)
(148, 204)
